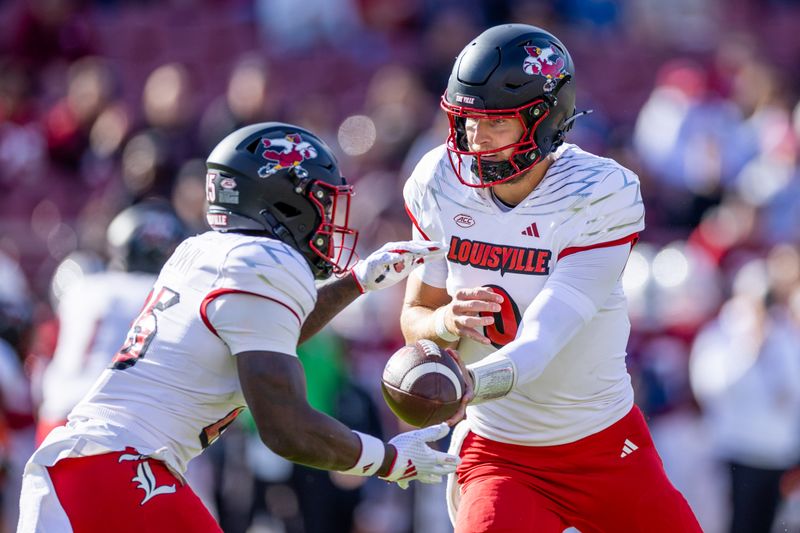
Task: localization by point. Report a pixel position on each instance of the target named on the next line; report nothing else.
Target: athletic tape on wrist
(492, 380)
(441, 328)
(371, 458)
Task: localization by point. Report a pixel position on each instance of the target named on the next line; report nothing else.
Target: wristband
(371, 458)
(441, 328)
(492, 379)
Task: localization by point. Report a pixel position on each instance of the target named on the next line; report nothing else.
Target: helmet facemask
(333, 241)
(525, 154)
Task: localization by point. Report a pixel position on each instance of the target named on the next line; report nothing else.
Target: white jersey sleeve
(270, 270)
(418, 192)
(238, 320)
(613, 213)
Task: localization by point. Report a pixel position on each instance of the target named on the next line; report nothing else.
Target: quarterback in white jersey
(219, 333)
(516, 253)
(537, 233)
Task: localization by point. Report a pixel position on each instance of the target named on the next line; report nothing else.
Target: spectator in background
(47, 32)
(153, 155)
(396, 102)
(320, 24)
(22, 142)
(68, 123)
(249, 98)
(678, 137)
(745, 372)
(189, 195)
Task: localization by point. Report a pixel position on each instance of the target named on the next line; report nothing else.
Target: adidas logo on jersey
(531, 231)
(628, 448)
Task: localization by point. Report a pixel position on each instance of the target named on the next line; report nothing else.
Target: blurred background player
(96, 311)
(218, 333)
(538, 234)
(16, 405)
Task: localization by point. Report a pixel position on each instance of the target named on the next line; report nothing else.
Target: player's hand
(392, 262)
(469, 389)
(462, 315)
(417, 461)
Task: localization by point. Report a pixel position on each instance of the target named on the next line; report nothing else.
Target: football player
(219, 332)
(537, 233)
(97, 309)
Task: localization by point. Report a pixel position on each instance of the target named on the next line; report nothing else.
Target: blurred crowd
(106, 103)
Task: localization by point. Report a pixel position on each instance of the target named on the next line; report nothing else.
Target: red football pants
(599, 484)
(126, 493)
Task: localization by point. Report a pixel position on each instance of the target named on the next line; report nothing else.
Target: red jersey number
(144, 328)
(506, 322)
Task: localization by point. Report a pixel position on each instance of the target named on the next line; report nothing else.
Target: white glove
(416, 460)
(392, 262)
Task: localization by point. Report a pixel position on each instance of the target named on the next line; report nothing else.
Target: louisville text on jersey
(488, 256)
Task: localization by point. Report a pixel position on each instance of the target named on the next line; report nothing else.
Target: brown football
(422, 384)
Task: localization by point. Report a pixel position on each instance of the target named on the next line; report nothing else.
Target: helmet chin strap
(278, 230)
(492, 171)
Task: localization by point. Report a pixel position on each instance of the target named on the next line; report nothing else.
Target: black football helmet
(283, 181)
(142, 237)
(512, 71)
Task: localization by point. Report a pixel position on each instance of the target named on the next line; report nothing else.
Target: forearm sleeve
(578, 287)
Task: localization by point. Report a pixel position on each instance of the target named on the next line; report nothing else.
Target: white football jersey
(583, 202)
(93, 318)
(173, 387)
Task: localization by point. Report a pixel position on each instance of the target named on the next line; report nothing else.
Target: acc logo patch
(464, 221)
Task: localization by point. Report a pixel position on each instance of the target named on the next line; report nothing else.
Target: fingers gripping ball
(421, 384)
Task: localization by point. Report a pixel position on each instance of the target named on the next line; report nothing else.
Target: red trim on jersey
(632, 238)
(219, 292)
(416, 224)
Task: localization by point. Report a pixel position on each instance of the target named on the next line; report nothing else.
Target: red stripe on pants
(586, 484)
(102, 493)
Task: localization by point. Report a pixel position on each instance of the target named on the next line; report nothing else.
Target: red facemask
(334, 240)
